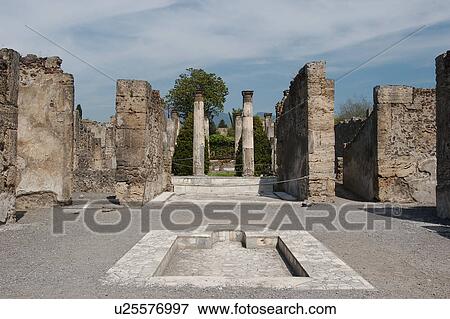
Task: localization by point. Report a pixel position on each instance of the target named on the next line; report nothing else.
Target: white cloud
(157, 39)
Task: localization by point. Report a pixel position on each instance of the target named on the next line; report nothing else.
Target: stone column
(268, 125)
(9, 84)
(443, 134)
(237, 130)
(248, 152)
(206, 127)
(270, 132)
(198, 147)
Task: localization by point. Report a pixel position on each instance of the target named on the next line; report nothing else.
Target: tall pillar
(443, 134)
(270, 132)
(248, 152)
(237, 130)
(206, 127)
(198, 147)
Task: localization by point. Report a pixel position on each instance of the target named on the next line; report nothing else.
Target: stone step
(223, 185)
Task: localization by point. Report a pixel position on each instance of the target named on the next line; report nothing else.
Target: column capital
(247, 95)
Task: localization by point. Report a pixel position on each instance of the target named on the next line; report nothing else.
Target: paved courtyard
(409, 260)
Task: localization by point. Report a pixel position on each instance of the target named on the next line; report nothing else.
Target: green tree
(181, 96)
(221, 147)
(182, 157)
(353, 108)
(80, 111)
(262, 148)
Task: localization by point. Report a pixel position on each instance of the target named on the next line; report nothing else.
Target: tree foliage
(353, 108)
(262, 148)
(221, 147)
(182, 158)
(80, 110)
(181, 96)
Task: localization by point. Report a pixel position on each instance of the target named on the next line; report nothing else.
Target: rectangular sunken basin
(230, 254)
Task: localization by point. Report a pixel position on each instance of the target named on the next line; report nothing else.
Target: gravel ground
(410, 261)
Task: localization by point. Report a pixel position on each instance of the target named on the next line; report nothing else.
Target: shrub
(182, 157)
(222, 147)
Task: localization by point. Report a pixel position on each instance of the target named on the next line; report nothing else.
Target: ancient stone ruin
(305, 135)
(139, 142)
(269, 129)
(400, 153)
(170, 134)
(248, 155)
(344, 132)
(237, 130)
(393, 157)
(94, 162)
(9, 85)
(45, 134)
(198, 144)
(443, 134)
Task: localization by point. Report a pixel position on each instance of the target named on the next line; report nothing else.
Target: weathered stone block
(394, 94)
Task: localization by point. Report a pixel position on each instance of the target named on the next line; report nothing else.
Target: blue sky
(252, 44)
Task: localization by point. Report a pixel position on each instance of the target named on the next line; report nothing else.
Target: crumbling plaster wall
(404, 133)
(305, 135)
(9, 85)
(45, 133)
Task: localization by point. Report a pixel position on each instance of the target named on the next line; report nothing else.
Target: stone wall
(45, 133)
(360, 160)
(443, 134)
(157, 179)
(139, 142)
(305, 135)
(403, 128)
(344, 132)
(94, 156)
(9, 85)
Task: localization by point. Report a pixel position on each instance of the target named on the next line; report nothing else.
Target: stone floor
(409, 261)
(227, 259)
